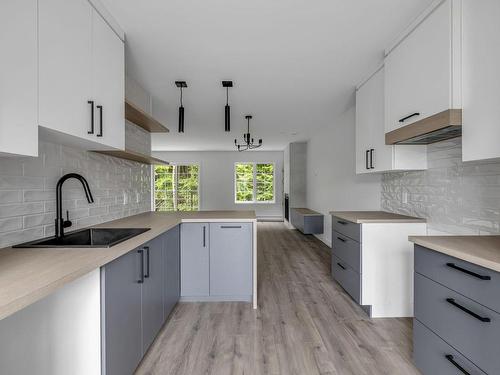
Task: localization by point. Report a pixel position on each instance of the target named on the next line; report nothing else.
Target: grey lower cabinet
(231, 260)
(172, 261)
(138, 291)
(216, 261)
(456, 324)
(195, 258)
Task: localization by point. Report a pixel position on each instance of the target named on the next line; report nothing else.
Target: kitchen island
(57, 295)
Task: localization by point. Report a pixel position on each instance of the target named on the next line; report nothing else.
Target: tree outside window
(176, 187)
(254, 182)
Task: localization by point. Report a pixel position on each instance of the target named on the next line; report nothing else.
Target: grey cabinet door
(195, 259)
(152, 291)
(230, 259)
(172, 270)
(121, 314)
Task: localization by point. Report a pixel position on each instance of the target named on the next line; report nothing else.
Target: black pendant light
(227, 109)
(248, 140)
(181, 85)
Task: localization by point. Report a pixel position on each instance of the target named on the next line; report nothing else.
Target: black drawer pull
(341, 239)
(455, 267)
(450, 358)
(341, 266)
(341, 222)
(465, 309)
(230, 226)
(409, 116)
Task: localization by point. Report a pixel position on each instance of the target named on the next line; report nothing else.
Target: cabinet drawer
(349, 279)
(347, 228)
(455, 274)
(457, 320)
(347, 249)
(434, 356)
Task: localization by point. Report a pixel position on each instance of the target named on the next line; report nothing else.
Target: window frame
(254, 201)
(174, 164)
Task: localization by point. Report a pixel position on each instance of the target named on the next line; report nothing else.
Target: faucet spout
(60, 222)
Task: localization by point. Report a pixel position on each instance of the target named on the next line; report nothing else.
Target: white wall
(332, 183)
(217, 178)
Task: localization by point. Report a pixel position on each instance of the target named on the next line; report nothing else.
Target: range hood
(439, 127)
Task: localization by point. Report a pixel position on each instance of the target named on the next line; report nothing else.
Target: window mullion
(254, 182)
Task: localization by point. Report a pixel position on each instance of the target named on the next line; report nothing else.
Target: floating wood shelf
(142, 119)
(134, 156)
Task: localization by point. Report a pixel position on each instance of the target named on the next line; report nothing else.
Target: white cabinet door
(364, 124)
(481, 80)
(108, 83)
(420, 73)
(18, 78)
(65, 30)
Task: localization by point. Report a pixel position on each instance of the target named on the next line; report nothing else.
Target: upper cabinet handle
(455, 267)
(99, 107)
(371, 158)
(409, 116)
(91, 131)
(366, 159)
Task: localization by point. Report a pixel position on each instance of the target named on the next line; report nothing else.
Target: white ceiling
(294, 63)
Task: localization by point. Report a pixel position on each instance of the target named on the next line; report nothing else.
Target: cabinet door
(231, 259)
(108, 83)
(419, 71)
(18, 77)
(172, 270)
(65, 66)
(481, 81)
(152, 291)
(195, 259)
(364, 124)
(121, 302)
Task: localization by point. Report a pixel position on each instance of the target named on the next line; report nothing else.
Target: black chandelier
(227, 109)
(249, 143)
(181, 85)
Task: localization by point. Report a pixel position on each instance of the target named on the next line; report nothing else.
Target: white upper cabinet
(81, 73)
(372, 154)
(18, 78)
(481, 80)
(422, 71)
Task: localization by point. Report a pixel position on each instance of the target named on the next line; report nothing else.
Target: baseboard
(216, 299)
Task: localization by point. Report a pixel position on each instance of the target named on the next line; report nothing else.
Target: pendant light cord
(181, 95)
(227, 95)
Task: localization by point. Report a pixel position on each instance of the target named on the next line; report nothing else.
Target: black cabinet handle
(147, 261)
(451, 301)
(99, 107)
(141, 277)
(366, 159)
(455, 267)
(371, 158)
(341, 266)
(409, 116)
(91, 102)
(341, 222)
(230, 226)
(450, 358)
(204, 236)
(341, 239)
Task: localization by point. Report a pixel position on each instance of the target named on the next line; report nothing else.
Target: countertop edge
(402, 220)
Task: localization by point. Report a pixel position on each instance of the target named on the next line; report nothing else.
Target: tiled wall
(27, 191)
(455, 197)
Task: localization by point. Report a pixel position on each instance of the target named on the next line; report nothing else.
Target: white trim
(254, 163)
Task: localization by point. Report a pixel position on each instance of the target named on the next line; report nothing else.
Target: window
(254, 182)
(176, 188)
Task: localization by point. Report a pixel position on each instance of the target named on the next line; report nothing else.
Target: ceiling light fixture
(227, 112)
(181, 85)
(248, 145)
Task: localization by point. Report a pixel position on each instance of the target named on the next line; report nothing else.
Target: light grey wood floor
(305, 324)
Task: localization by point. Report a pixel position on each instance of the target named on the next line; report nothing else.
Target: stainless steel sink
(93, 237)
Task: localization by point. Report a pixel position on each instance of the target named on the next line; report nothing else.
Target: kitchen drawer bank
(373, 260)
(456, 305)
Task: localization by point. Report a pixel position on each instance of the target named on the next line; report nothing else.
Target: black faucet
(60, 222)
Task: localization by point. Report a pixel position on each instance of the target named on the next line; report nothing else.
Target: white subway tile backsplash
(27, 191)
(455, 197)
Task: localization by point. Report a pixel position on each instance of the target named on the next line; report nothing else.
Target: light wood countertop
(306, 211)
(360, 217)
(481, 250)
(27, 275)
